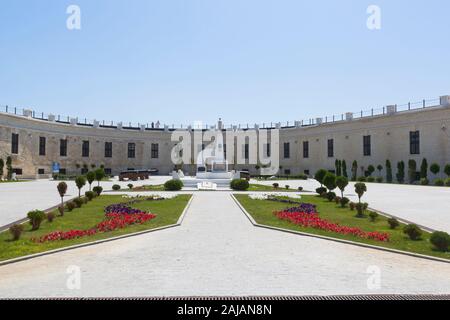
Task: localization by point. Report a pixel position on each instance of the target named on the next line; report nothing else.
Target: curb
(360, 244)
(87, 244)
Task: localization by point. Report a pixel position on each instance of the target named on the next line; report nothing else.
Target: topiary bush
(97, 189)
(16, 231)
(379, 179)
(352, 206)
(440, 240)
(413, 231)
(359, 209)
(70, 205)
(373, 216)
(173, 185)
(89, 195)
(447, 182)
(424, 181)
(300, 188)
(321, 190)
(78, 202)
(344, 201)
(36, 217)
(239, 184)
(362, 179)
(130, 186)
(287, 187)
(50, 217)
(439, 182)
(61, 210)
(116, 187)
(331, 195)
(370, 179)
(393, 223)
(275, 185)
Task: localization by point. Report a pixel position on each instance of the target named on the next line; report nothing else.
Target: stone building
(35, 145)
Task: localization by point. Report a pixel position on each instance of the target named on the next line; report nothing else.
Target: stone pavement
(216, 251)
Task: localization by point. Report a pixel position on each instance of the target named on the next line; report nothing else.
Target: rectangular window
(267, 152)
(155, 151)
(85, 149)
(131, 150)
(42, 146)
(366, 146)
(84, 170)
(414, 142)
(108, 149)
(62, 171)
(330, 148)
(63, 147)
(17, 171)
(246, 148)
(287, 171)
(286, 150)
(108, 171)
(225, 150)
(305, 149)
(41, 171)
(15, 143)
(306, 171)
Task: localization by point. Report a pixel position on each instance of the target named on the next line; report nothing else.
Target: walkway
(217, 251)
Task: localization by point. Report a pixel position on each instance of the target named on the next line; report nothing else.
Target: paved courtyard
(216, 251)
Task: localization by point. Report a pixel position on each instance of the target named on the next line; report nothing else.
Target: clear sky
(179, 61)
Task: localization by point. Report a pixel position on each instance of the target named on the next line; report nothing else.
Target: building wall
(389, 140)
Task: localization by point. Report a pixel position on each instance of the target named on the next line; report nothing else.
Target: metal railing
(373, 112)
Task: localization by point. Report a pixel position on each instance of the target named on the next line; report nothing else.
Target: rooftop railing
(368, 113)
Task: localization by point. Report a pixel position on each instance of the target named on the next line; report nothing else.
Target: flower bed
(308, 218)
(117, 216)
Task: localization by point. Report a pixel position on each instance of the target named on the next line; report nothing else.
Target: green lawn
(262, 212)
(260, 187)
(167, 212)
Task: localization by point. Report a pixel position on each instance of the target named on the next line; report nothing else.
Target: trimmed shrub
(439, 182)
(360, 188)
(388, 171)
(36, 217)
(393, 223)
(85, 200)
(352, 206)
(413, 231)
(341, 183)
(97, 189)
(16, 231)
(70, 205)
(300, 188)
(412, 168)
(173, 185)
(320, 175)
(435, 168)
(447, 182)
(344, 201)
(275, 185)
(447, 169)
(287, 187)
(440, 240)
(116, 187)
(373, 216)
(360, 209)
(61, 210)
(424, 181)
(78, 202)
(50, 217)
(330, 196)
(370, 179)
(330, 181)
(362, 179)
(89, 195)
(321, 190)
(130, 186)
(379, 179)
(400, 172)
(239, 184)
(337, 199)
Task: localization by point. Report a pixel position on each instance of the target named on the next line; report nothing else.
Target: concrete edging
(360, 244)
(87, 244)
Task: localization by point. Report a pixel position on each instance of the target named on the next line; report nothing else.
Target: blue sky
(179, 61)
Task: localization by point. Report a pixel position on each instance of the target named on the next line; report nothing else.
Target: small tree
(360, 188)
(424, 169)
(99, 175)
(2, 165)
(370, 170)
(344, 169)
(412, 168)
(80, 181)
(341, 183)
(62, 189)
(435, 168)
(338, 165)
(447, 170)
(320, 174)
(379, 168)
(330, 181)
(354, 170)
(400, 172)
(90, 176)
(9, 168)
(388, 172)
